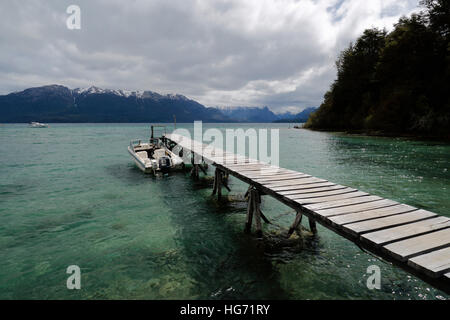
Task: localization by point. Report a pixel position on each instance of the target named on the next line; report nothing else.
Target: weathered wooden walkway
(414, 239)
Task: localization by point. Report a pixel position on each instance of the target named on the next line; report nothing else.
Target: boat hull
(38, 125)
(146, 167)
(140, 164)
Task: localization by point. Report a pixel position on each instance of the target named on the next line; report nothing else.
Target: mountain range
(264, 114)
(56, 103)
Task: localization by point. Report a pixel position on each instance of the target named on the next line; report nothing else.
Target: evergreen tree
(394, 83)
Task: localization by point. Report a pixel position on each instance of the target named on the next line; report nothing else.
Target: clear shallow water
(70, 194)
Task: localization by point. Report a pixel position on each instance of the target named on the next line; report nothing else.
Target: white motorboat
(38, 125)
(153, 156)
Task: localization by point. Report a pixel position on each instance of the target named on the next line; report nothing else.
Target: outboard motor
(164, 164)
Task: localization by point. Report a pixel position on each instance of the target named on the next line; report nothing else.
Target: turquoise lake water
(71, 195)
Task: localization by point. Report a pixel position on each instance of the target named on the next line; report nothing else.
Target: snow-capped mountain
(57, 103)
(128, 93)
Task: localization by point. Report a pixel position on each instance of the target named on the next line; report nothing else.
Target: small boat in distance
(38, 125)
(153, 156)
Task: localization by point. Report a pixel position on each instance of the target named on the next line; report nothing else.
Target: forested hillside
(394, 83)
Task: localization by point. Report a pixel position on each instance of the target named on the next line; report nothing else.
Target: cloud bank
(279, 53)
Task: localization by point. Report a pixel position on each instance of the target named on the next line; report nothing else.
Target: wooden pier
(413, 239)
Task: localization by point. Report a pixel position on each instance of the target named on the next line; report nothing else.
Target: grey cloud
(254, 52)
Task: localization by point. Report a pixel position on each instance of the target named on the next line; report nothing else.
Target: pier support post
(264, 217)
(203, 167)
(194, 171)
(297, 222)
(256, 205)
(247, 194)
(215, 183)
(312, 226)
(249, 219)
(219, 184)
(224, 181)
(254, 208)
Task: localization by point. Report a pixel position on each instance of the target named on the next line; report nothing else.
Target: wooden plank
(386, 236)
(279, 171)
(262, 174)
(257, 172)
(241, 162)
(308, 186)
(243, 166)
(405, 249)
(253, 166)
(216, 153)
(357, 207)
(228, 163)
(263, 170)
(258, 176)
(371, 214)
(434, 264)
(280, 177)
(221, 152)
(293, 182)
(320, 194)
(231, 161)
(387, 222)
(342, 203)
(338, 197)
(237, 158)
(236, 161)
(312, 190)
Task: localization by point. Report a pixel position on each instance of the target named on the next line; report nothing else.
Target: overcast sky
(278, 53)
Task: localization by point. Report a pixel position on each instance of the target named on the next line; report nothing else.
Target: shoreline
(408, 136)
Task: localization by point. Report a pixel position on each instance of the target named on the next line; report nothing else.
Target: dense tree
(438, 15)
(396, 82)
